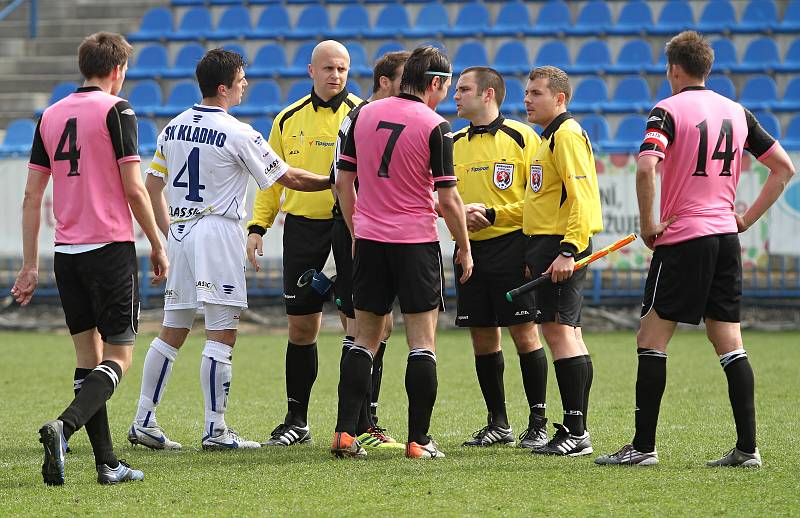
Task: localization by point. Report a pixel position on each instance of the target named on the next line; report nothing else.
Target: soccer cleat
(227, 440)
(288, 435)
(430, 450)
(737, 458)
(376, 437)
(122, 473)
(628, 456)
(51, 435)
(152, 437)
(490, 435)
(535, 436)
(566, 444)
(345, 445)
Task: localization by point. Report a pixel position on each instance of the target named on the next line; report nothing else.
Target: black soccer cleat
(51, 435)
(288, 435)
(566, 444)
(490, 435)
(535, 436)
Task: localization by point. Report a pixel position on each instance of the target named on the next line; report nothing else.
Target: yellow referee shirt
(562, 197)
(492, 164)
(304, 135)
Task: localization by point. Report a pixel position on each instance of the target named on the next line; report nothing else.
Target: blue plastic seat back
(303, 55)
(760, 12)
(314, 18)
(145, 94)
(664, 91)
(594, 14)
(594, 52)
(792, 13)
(270, 56)
(20, 133)
(722, 85)
(717, 12)
(189, 55)
(636, 51)
(148, 135)
(515, 93)
(152, 58)
(358, 56)
(235, 47)
(157, 20)
(512, 53)
(631, 128)
(473, 16)
(234, 19)
(632, 89)
(553, 52)
(470, 53)
(793, 129)
(591, 90)
(298, 90)
(392, 18)
(513, 16)
(769, 122)
(554, 13)
(353, 17)
(759, 88)
(596, 127)
(761, 51)
(724, 53)
(274, 17)
(635, 14)
(62, 90)
(262, 125)
(264, 93)
(792, 92)
(184, 95)
(196, 20)
(389, 46)
(676, 12)
(433, 17)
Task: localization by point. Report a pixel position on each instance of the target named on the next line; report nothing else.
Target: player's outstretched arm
(302, 180)
(139, 201)
(28, 276)
(155, 189)
(781, 170)
(453, 213)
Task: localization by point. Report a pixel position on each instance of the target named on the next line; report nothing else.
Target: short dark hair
(218, 67)
(387, 66)
(425, 59)
(101, 52)
(692, 52)
(487, 77)
(557, 80)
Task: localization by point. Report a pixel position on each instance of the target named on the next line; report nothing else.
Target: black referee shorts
(100, 288)
(306, 245)
(696, 279)
(342, 245)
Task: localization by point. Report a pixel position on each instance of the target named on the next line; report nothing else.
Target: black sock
(347, 343)
(97, 388)
(534, 378)
(489, 368)
(421, 386)
(97, 428)
(364, 414)
(651, 380)
(301, 372)
(589, 379)
(377, 375)
(353, 388)
(571, 377)
(741, 391)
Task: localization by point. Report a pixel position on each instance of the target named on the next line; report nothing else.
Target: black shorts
(696, 279)
(499, 267)
(560, 302)
(343, 256)
(306, 246)
(100, 288)
(411, 272)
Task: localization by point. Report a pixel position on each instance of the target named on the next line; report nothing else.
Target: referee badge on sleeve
(536, 177)
(503, 175)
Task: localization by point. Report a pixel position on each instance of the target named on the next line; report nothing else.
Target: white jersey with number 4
(204, 156)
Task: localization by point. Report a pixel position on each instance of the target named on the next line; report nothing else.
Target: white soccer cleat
(227, 440)
(152, 437)
(737, 458)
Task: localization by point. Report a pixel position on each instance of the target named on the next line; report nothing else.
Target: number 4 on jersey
(69, 138)
(193, 166)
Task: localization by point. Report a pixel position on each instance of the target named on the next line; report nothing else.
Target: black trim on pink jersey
(758, 141)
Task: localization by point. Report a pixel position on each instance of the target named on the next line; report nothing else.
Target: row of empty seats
(473, 19)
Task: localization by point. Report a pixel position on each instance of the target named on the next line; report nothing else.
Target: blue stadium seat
(353, 20)
(195, 25)
(769, 122)
(596, 128)
(264, 2)
(791, 60)
(431, 22)
(632, 95)
(761, 56)
(635, 18)
(593, 58)
(512, 20)
(312, 23)
(590, 96)
(262, 98)
(791, 98)
(187, 2)
(634, 56)
(791, 19)
(676, 16)
(447, 106)
(354, 88)
(472, 21)
(148, 136)
(470, 53)
(389, 46)
(660, 65)
(235, 47)
(718, 16)
(359, 64)
(19, 137)
(152, 61)
(553, 20)
(515, 97)
(145, 97)
(182, 96)
(512, 58)
(62, 90)
(262, 125)
(759, 93)
(156, 24)
(392, 21)
(185, 61)
(722, 85)
(664, 91)
(299, 65)
(302, 1)
(553, 52)
(593, 20)
(458, 124)
(725, 58)
(758, 16)
(233, 22)
(270, 61)
(298, 90)
(629, 136)
(273, 22)
(225, 2)
(791, 137)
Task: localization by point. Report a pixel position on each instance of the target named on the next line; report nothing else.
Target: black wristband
(490, 215)
(569, 248)
(256, 229)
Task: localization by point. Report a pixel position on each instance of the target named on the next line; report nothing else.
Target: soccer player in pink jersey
(87, 142)
(696, 271)
(401, 150)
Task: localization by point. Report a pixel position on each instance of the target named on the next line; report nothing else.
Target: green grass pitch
(696, 425)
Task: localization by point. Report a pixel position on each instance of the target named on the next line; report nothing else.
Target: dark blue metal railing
(32, 12)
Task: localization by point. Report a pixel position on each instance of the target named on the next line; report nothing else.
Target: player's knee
(303, 329)
(222, 323)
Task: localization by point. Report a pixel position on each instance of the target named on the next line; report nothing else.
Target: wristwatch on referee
(256, 229)
(567, 250)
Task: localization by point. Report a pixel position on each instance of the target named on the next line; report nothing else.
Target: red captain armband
(657, 138)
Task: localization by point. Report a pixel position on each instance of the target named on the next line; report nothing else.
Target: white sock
(215, 378)
(155, 374)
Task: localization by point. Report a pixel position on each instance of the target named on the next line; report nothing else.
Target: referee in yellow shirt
(492, 158)
(561, 213)
(304, 135)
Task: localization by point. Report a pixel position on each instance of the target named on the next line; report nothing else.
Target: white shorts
(206, 264)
